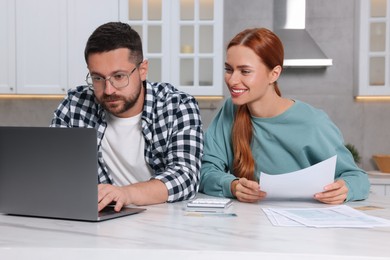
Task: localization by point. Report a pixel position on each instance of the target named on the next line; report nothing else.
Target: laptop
(51, 172)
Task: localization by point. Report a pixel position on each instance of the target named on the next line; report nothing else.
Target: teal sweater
(298, 138)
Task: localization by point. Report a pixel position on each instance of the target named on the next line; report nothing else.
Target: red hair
(269, 49)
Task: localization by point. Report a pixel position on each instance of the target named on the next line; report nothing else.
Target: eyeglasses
(118, 80)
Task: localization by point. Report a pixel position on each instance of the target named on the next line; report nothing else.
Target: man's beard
(122, 107)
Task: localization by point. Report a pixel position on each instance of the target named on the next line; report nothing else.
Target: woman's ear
(143, 69)
(275, 73)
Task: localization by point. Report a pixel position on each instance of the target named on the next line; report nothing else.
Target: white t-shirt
(123, 150)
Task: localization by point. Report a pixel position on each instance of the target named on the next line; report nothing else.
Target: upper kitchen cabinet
(372, 69)
(43, 43)
(7, 46)
(182, 41)
(41, 46)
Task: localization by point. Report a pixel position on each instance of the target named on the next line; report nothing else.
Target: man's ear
(143, 69)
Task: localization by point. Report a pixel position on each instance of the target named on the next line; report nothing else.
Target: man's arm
(142, 193)
(178, 181)
(183, 153)
(61, 115)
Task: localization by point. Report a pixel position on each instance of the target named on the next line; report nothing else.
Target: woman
(259, 130)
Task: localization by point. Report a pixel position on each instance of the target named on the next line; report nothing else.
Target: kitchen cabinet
(372, 67)
(380, 189)
(182, 41)
(380, 183)
(7, 46)
(43, 43)
(41, 46)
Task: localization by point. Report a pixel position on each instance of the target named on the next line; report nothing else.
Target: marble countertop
(165, 231)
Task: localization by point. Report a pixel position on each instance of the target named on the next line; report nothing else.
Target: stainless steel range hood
(300, 50)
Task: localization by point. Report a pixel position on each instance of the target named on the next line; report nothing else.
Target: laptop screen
(49, 172)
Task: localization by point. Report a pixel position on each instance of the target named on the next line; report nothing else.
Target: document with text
(333, 216)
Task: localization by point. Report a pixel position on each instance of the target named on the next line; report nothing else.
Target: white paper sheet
(299, 184)
(279, 220)
(334, 216)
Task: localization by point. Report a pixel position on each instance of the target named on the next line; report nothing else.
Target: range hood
(300, 50)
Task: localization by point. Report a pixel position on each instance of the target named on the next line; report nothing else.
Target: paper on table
(280, 220)
(299, 184)
(336, 216)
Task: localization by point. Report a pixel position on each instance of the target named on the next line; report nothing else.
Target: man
(150, 138)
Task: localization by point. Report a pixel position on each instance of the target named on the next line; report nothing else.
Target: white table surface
(166, 232)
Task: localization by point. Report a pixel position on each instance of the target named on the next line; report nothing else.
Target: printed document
(301, 184)
(334, 216)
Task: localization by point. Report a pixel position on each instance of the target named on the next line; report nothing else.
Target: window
(182, 41)
(373, 66)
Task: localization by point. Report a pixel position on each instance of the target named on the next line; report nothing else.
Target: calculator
(209, 204)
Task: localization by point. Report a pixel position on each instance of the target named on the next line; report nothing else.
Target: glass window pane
(205, 72)
(377, 36)
(154, 39)
(154, 71)
(138, 29)
(206, 9)
(186, 72)
(206, 39)
(187, 39)
(187, 9)
(377, 71)
(378, 8)
(135, 9)
(186, 48)
(154, 10)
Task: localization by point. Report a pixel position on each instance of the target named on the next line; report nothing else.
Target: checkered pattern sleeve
(61, 116)
(178, 145)
(78, 109)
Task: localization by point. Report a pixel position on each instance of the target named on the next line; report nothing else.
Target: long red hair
(269, 49)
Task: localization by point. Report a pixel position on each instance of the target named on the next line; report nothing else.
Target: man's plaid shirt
(171, 126)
